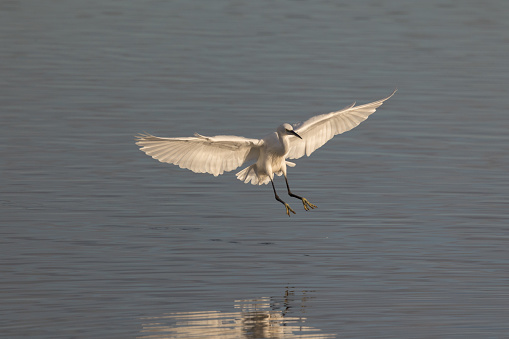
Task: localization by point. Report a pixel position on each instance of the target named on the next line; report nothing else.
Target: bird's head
(287, 129)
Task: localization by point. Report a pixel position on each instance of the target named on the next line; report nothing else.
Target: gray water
(410, 238)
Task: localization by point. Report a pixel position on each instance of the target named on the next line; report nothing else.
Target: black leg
(290, 192)
(305, 202)
(288, 208)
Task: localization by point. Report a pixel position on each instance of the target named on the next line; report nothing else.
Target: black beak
(294, 133)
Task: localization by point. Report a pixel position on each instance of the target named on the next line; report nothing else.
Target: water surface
(410, 235)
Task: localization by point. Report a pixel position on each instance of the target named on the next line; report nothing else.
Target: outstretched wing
(316, 131)
(200, 154)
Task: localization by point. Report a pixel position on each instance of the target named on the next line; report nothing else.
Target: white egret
(223, 153)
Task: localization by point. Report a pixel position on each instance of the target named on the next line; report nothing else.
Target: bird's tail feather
(250, 174)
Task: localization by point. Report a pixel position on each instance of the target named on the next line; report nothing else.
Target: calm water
(411, 236)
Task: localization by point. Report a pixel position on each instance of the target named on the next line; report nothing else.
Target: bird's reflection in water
(254, 318)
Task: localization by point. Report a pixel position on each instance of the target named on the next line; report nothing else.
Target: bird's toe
(307, 204)
(289, 209)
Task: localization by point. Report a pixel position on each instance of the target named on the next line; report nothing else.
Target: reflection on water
(411, 238)
(255, 318)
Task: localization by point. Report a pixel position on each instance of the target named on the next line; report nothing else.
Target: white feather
(316, 131)
(200, 154)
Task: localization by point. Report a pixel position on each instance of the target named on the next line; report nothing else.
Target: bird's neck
(284, 142)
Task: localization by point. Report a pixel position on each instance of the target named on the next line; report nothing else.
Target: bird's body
(273, 149)
(219, 154)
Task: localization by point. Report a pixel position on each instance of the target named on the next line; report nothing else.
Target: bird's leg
(288, 208)
(305, 202)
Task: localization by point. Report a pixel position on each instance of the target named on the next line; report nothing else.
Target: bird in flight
(223, 153)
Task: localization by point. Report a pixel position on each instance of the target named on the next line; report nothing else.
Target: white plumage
(200, 154)
(223, 153)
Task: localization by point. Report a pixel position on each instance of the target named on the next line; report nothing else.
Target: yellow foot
(307, 204)
(289, 209)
